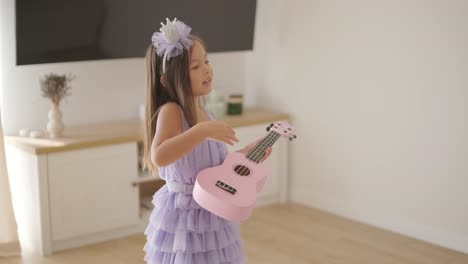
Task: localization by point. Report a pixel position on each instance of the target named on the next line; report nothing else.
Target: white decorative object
(216, 104)
(55, 125)
(171, 40)
(169, 31)
(36, 134)
(24, 132)
(55, 87)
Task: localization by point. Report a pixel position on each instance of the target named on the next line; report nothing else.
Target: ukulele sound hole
(242, 170)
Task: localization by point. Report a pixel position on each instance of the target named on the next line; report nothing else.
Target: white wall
(103, 90)
(259, 65)
(378, 93)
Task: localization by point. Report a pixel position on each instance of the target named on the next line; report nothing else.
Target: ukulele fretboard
(257, 153)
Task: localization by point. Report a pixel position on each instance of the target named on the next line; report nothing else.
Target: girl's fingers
(229, 131)
(267, 154)
(233, 138)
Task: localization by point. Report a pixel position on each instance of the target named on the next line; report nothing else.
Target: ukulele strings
(241, 167)
(257, 154)
(254, 155)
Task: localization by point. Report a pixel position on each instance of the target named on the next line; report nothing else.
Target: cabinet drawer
(90, 190)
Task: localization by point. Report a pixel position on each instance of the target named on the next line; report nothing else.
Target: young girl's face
(201, 74)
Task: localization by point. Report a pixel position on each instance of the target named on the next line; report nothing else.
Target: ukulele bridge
(226, 187)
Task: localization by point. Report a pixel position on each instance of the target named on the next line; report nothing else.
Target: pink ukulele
(230, 190)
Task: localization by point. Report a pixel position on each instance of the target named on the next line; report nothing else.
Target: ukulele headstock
(284, 129)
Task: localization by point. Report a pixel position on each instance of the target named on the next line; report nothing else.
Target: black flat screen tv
(50, 31)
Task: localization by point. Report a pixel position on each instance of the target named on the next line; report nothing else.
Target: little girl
(181, 139)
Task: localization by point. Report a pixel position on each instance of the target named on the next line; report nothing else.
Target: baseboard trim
(59, 245)
(413, 230)
(10, 249)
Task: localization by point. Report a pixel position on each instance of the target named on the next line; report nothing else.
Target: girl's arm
(170, 143)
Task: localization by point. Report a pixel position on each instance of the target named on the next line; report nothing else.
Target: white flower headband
(171, 39)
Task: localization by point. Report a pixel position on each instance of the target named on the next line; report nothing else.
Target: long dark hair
(176, 89)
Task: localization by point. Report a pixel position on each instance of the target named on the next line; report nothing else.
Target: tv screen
(75, 30)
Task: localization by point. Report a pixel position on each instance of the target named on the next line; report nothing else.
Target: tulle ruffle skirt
(181, 232)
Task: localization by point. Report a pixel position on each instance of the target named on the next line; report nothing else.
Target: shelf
(144, 179)
(145, 176)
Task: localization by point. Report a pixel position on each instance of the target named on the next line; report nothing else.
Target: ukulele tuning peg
(269, 127)
(290, 138)
(294, 136)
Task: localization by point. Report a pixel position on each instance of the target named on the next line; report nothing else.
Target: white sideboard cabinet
(86, 187)
(67, 199)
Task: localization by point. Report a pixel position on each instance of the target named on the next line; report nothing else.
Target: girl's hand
(249, 147)
(219, 131)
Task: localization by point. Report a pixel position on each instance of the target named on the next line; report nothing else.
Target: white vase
(216, 104)
(55, 125)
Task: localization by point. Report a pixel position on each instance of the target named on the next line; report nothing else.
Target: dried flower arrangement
(56, 87)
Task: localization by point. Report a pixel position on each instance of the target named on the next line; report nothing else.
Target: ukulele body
(230, 190)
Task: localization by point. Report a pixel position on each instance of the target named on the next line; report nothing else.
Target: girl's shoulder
(170, 107)
(171, 116)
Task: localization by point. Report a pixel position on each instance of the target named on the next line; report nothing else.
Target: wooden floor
(284, 234)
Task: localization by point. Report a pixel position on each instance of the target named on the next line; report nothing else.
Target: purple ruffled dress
(179, 230)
